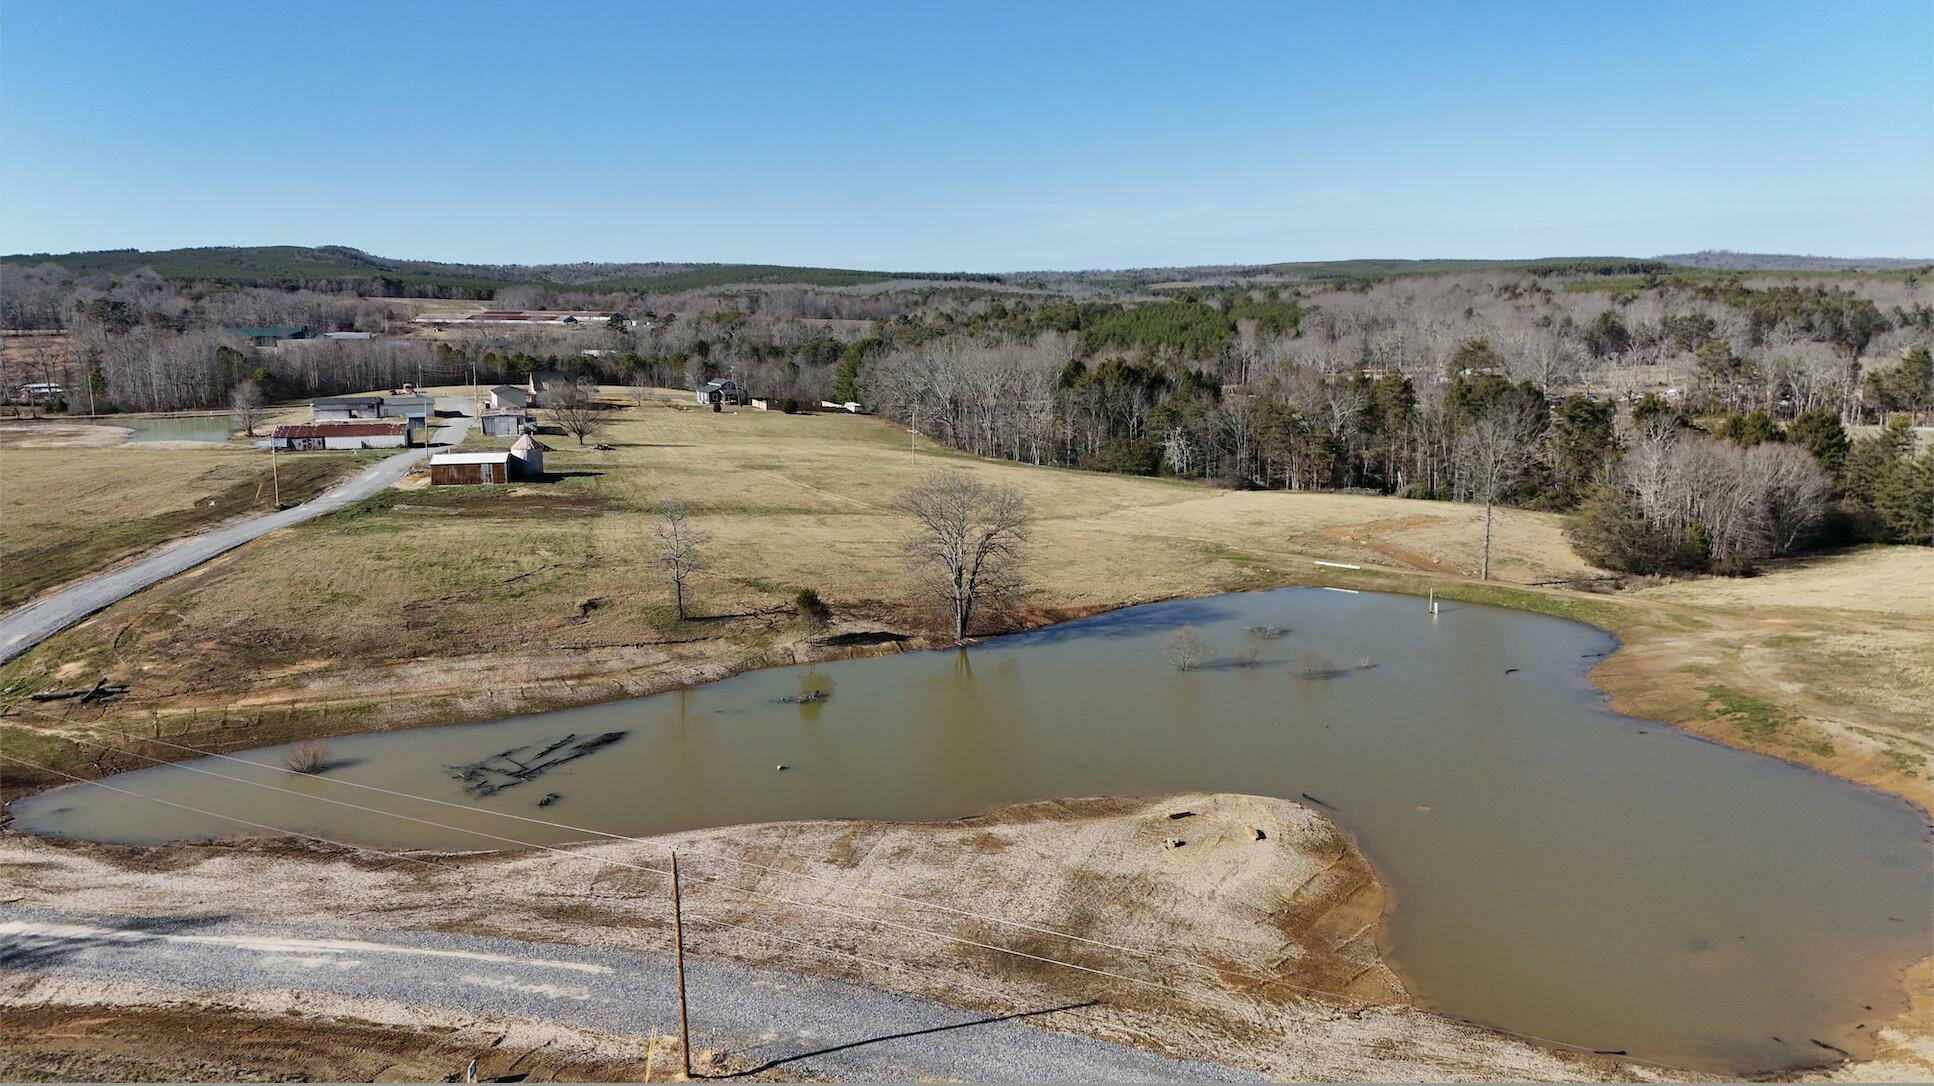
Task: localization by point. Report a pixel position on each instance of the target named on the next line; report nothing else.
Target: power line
(713, 921)
(1196, 997)
(969, 913)
(570, 855)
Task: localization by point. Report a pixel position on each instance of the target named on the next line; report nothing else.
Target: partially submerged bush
(308, 756)
(1266, 633)
(1186, 649)
(1314, 665)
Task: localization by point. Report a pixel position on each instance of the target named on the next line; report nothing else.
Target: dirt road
(28, 626)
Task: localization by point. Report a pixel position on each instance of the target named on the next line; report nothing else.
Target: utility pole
(678, 938)
(274, 476)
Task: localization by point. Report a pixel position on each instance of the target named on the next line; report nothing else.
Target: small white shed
(527, 457)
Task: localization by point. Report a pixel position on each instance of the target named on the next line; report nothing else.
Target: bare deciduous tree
(680, 551)
(245, 406)
(1186, 649)
(968, 544)
(1494, 451)
(577, 412)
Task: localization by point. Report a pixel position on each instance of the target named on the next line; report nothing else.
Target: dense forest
(1693, 417)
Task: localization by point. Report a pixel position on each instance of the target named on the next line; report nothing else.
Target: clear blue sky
(973, 136)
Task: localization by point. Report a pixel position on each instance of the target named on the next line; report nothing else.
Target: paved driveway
(22, 629)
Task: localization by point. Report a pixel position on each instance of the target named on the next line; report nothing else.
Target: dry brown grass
(792, 502)
(1884, 580)
(424, 600)
(74, 510)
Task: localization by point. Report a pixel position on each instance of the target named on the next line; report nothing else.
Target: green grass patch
(1754, 717)
(1604, 614)
(1906, 763)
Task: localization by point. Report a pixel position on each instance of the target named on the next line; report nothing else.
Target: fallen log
(101, 689)
(510, 768)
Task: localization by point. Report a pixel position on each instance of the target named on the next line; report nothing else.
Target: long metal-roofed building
(358, 434)
(559, 317)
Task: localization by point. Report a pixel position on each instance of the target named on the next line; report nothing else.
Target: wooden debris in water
(514, 767)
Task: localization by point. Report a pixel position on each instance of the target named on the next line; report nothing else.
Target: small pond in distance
(1557, 869)
(182, 428)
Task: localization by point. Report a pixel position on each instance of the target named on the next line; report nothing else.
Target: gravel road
(803, 1023)
(28, 626)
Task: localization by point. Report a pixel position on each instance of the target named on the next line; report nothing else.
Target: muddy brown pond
(1555, 868)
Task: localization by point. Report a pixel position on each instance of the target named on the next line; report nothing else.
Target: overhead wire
(1197, 997)
(842, 884)
(283, 831)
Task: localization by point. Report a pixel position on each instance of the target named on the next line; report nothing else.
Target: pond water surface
(1556, 869)
(180, 428)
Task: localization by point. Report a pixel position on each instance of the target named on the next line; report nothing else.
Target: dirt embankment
(1251, 942)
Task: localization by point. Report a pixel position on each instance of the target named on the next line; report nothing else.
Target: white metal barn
(384, 434)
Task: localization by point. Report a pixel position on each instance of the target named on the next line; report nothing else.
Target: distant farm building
(416, 410)
(555, 317)
(463, 469)
(269, 337)
(505, 423)
(309, 436)
(349, 335)
(509, 398)
(724, 390)
(341, 408)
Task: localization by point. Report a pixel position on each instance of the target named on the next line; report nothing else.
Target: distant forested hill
(1726, 260)
(342, 268)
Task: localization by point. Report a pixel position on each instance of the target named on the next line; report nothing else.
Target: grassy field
(462, 603)
(75, 509)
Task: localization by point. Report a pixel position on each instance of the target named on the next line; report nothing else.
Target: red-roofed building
(360, 434)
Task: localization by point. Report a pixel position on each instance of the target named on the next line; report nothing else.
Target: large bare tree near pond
(969, 542)
(245, 406)
(680, 551)
(1494, 450)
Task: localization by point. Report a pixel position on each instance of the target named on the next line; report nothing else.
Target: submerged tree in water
(1186, 649)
